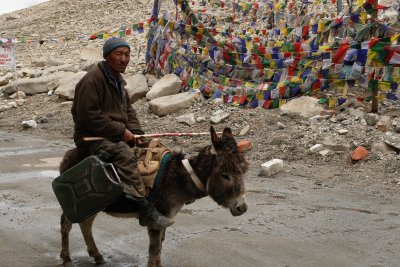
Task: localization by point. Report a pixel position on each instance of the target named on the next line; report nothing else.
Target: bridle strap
(193, 175)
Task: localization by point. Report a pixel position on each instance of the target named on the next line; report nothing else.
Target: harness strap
(193, 175)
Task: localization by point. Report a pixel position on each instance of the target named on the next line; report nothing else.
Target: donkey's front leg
(66, 227)
(156, 237)
(86, 228)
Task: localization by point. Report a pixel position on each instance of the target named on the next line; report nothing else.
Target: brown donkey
(217, 171)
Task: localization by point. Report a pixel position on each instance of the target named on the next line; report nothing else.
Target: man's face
(118, 59)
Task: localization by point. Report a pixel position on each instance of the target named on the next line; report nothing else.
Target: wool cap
(113, 43)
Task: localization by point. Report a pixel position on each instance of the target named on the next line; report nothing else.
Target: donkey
(217, 171)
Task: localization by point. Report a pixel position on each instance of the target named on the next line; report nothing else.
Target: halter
(193, 175)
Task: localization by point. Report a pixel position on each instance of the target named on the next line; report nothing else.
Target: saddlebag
(87, 188)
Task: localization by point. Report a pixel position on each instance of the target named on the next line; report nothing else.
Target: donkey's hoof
(67, 264)
(99, 260)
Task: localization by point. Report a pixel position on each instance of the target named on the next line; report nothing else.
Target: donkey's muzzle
(239, 208)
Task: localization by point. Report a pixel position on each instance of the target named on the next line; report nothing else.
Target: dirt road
(292, 221)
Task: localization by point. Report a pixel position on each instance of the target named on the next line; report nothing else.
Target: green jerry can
(87, 188)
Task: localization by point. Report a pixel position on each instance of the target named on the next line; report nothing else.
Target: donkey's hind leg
(66, 226)
(156, 237)
(86, 228)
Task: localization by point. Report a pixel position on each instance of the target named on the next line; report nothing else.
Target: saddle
(149, 161)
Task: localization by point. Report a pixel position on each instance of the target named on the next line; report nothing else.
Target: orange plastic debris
(359, 153)
(244, 145)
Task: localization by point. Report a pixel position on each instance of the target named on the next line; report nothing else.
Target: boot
(149, 216)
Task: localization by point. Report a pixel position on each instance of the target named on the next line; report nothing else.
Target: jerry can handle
(111, 173)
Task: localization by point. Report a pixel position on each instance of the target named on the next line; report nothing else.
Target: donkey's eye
(225, 176)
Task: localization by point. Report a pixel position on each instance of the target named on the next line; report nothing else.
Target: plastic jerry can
(87, 188)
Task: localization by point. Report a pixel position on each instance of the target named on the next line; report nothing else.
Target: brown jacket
(100, 108)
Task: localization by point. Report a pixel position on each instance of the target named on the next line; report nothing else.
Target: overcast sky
(12, 5)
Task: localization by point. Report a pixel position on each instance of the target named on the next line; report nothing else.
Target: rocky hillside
(58, 19)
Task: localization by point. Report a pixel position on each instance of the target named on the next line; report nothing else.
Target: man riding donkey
(102, 108)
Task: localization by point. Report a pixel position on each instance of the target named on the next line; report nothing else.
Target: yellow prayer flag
(321, 26)
(384, 86)
(284, 31)
(106, 36)
(394, 37)
(270, 73)
(332, 102)
(295, 79)
(370, 56)
(282, 102)
(272, 64)
(363, 17)
(380, 98)
(360, 3)
(249, 45)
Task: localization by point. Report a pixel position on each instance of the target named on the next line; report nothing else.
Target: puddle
(21, 176)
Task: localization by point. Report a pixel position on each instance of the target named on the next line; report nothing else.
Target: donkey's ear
(216, 141)
(227, 133)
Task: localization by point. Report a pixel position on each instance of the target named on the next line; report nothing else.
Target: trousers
(125, 163)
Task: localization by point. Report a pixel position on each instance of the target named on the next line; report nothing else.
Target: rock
(29, 73)
(324, 152)
(201, 119)
(359, 153)
(90, 57)
(136, 86)
(271, 167)
(186, 118)
(371, 118)
(4, 107)
(41, 63)
(304, 106)
(165, 105)
(244, 145)
(18, 95)
(336, 144)
(33, 86)
(355, 112)
(343, 131)
(29, 124)
(392, 140)
(168, 85)
(281, 125)
(219, 116)
(4, 80)
(66, 90)
(151, 80)
(384, 124)
(245, 130)
(382, 147)
(328, 112)
(64, 67)
(316, 148)
(20, 102)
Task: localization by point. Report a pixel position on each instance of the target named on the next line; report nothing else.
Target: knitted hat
(112, 43)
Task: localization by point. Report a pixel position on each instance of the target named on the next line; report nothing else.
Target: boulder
(136, 87)
(66, 90)
(304, 106)
(4, 80)
(168, 85)
(33, 86)
(165, 105)
(90, 57)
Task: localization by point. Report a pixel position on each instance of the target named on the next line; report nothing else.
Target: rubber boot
(149, 216)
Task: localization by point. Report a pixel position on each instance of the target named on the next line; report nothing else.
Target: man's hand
(129, 138)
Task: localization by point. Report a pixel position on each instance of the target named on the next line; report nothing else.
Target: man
(102, 108)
